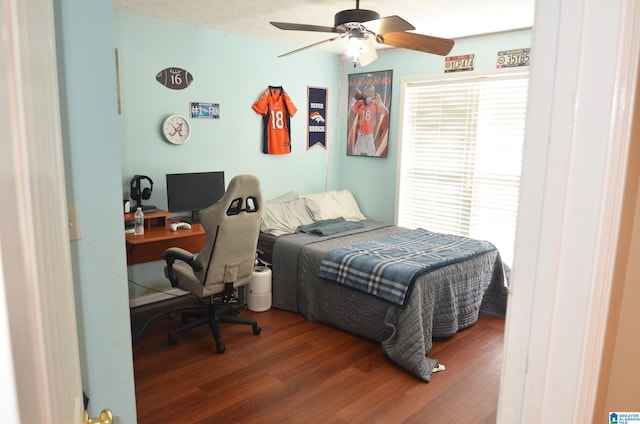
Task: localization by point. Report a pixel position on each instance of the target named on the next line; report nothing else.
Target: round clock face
(176, 129)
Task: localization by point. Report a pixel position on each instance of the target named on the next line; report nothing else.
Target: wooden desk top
(151, 245)
(157, 234)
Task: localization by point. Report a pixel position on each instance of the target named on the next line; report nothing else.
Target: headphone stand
(138, 193)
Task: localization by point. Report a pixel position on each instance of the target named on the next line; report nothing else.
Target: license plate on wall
(513, 58)
(459, 63)
(205, 110)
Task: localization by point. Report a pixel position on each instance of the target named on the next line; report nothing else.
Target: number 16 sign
(174, 78)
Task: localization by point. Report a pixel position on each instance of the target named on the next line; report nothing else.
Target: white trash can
(259, 297)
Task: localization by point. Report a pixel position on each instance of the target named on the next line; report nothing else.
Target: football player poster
(368, 113)
(316, 117)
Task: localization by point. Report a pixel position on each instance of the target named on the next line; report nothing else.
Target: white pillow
(284, 217)
(323, 205)
(350, 209)
(333, 204)
(287, 197)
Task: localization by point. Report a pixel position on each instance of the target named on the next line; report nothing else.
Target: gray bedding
(441, 303)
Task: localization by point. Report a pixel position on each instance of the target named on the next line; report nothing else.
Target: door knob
(106, 417)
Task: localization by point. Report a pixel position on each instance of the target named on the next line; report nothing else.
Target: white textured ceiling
(440, 18)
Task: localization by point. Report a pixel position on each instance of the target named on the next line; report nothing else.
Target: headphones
(137, 193)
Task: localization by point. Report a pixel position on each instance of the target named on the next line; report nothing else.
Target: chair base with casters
(216, 312)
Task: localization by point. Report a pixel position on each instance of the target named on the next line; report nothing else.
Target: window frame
(449, 78)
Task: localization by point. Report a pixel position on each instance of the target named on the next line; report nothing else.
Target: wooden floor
(304, 372)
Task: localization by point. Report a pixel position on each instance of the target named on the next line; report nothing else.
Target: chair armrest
(178, 253)
(175, 253)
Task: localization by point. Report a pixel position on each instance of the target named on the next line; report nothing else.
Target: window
(461, 151)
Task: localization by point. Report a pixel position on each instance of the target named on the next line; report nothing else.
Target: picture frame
(369, 106)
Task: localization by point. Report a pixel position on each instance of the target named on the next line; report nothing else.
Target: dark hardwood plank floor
(305, 372)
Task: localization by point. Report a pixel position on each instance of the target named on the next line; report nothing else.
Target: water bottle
(138, 229)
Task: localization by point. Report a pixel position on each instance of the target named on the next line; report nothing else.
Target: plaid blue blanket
(388, 266)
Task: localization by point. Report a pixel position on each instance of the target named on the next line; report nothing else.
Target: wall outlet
(75, 227)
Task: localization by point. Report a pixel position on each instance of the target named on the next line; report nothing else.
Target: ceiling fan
(364, 26)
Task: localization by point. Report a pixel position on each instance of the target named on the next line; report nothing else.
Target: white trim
(577, 137)
(622, 113)
(465, 76)
(36, 259)
(9, 398)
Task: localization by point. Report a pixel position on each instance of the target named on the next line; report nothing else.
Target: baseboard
(156, 297)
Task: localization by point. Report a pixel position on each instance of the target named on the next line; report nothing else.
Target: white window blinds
(461, 152)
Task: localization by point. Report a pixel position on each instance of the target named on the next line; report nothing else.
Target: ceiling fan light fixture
(361, 50)
(355, 47)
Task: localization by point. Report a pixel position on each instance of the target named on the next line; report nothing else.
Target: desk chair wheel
(256, 329)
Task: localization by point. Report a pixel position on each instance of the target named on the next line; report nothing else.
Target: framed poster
(368, 113)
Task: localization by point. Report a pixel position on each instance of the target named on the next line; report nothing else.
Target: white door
(39, 362)
(583, 75)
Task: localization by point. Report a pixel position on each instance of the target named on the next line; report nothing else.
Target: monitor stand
(195, 216)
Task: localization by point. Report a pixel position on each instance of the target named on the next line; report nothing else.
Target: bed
(439, 303)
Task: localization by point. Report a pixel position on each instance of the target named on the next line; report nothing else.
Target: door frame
(583, 78)
(36, 276)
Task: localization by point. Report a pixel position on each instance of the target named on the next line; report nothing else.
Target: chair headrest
(243, 184)
(243, 195)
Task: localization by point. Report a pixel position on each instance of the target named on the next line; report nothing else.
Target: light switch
(75, 227)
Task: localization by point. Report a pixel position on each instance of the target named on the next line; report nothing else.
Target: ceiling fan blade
(388, 24)
(302, 27)
(419, 42)
(312, 45)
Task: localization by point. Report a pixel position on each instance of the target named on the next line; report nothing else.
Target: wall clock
(176, 129)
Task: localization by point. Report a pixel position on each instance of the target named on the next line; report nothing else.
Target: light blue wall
(373, 180)
(232, 71)
(86, 73)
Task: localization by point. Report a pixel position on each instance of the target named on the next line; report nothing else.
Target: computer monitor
(194, 191)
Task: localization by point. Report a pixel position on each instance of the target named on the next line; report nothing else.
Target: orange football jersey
(277, 109)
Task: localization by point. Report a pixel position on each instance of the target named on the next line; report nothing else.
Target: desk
(158, 237)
